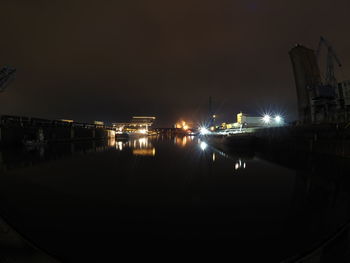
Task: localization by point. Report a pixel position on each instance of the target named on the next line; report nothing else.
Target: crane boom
(329, 47)
(331, 56)
(6, 75)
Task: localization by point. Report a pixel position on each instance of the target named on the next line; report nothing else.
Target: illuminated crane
(6, 75)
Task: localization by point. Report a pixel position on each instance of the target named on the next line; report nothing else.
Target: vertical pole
(211, 114)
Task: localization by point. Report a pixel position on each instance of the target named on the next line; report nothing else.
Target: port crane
(6, 75)
(331, 57)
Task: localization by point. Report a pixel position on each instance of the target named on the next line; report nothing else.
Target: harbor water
(168, 197)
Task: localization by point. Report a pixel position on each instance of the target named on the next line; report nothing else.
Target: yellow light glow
(184, 141)
(183, 125)
(119, 146)
(69, 121)
(98, 122)
(143, 142)
(144, 152)
(111, 141)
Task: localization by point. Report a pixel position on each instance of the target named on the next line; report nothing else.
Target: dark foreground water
(167, 198)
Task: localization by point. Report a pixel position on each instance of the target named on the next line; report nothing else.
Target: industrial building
(243, 121)
(344, 92)
(137, 123)
(246, 120)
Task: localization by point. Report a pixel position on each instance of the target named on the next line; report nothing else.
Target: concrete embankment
(318, 139)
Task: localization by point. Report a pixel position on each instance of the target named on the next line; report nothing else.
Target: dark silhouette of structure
(319, 100)
(6, 75)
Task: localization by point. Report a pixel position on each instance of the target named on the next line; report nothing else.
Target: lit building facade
(244, 119)
(137, 124)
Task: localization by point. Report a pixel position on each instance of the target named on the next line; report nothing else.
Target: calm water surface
(167, 197)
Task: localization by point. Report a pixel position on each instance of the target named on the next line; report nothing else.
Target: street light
(203, 130)
(278, 119)
(266, 119)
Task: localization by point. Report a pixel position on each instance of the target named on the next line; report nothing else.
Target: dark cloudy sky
(107, 60)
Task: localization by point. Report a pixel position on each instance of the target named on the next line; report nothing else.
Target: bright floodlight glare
(203, 131)
(203, 145)
(266, 118)
(278, 119)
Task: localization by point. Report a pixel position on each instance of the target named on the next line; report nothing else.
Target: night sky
(108, 60)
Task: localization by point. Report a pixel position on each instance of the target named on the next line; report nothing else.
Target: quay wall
(319, 139)
(14, 130)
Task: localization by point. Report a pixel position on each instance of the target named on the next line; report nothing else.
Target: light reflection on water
(238, 161)
(139, 146)
(183, 140)
(240, 164)
(180, 186)
(203, 145)
(144, 146)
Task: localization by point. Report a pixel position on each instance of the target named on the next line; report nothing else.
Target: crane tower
(318, 98)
